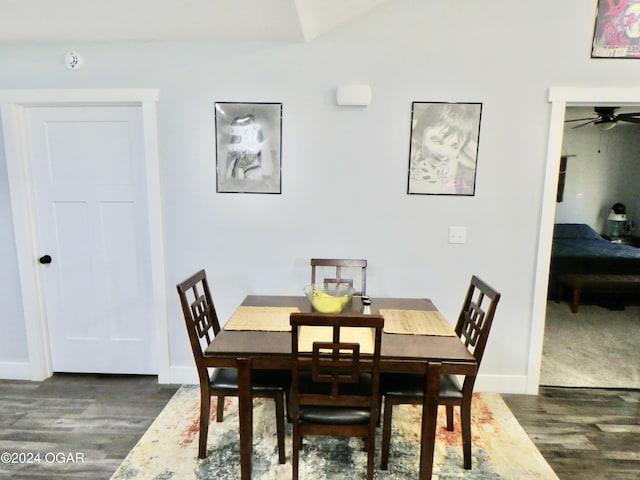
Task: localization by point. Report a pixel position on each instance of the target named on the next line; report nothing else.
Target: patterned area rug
(169, 448)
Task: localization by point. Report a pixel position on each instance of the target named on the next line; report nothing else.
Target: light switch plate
(457, 234)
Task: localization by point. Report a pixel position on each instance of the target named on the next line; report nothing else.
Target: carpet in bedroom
(596, 347)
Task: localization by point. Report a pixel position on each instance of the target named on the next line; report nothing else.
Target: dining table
(258, 336)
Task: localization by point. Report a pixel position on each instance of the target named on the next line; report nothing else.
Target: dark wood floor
(583, 433)
(90, 422)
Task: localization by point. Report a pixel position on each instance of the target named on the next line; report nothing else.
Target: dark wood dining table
(253, 349)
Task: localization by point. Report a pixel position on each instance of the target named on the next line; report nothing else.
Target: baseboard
(181, 375)
(15, 371)
(22, 371)
(484, 383)
(188, 375)
(501, 383)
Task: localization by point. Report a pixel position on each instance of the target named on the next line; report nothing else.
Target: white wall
(13, 342)
(345, 169)
(605, 170)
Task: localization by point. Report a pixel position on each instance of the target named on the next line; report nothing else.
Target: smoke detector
(72, 60)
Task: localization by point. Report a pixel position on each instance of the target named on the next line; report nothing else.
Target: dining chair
(473, 326)
(336, 267)
(335, 378)
(202, 326)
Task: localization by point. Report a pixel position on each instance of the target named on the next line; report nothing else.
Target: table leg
(429, 414)
(245, 413)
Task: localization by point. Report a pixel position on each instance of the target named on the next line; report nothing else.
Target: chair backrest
(200, 317)
(336, 359)
(476, 316)
(336, 268)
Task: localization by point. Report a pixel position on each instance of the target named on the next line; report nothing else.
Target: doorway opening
(600, 170)
(559, 98)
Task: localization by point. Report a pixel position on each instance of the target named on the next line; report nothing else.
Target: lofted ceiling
(63, 21)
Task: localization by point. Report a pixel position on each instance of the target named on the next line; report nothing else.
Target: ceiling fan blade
(629, 119)
(581, 119)
(586, 123)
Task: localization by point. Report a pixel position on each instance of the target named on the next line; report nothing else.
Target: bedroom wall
(345, 169)
(605, 170)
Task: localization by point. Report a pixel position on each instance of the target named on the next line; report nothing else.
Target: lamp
(617, 221)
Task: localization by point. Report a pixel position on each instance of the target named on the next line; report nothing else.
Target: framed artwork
(248, 147)
(444, 148)
(617, 29)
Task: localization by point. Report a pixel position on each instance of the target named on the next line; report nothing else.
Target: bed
(577, 248)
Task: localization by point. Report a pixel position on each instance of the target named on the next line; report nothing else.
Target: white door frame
(12, 106)
(560, 98)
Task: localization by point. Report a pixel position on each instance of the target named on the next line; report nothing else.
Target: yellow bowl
(329, 298)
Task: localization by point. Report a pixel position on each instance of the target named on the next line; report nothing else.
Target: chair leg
(220, 408)
(371, 447)
(279, 399)
(297, 445)
(205, 408)
(286, 404)
(386, 434)
(450, 418)
(465, 421)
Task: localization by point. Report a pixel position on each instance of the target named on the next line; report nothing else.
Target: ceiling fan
(606, 118)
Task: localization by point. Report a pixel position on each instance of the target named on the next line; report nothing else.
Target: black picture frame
(443, 149)
(248, 147)
(616, 33)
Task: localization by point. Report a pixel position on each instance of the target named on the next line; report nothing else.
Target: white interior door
(88, 173)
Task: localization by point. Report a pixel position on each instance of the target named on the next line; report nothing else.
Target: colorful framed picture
(248, 147)
(617, 29)
(443, 149)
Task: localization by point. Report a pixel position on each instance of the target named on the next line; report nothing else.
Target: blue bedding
(578, 248)
(580, 240)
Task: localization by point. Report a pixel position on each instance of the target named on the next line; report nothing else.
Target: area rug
(169, 448)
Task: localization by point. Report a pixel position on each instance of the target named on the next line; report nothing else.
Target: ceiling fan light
(606, 125)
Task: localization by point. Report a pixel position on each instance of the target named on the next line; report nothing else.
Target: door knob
(45, 259)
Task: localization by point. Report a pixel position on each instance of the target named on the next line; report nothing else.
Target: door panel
(92, 218)
(71, 223)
